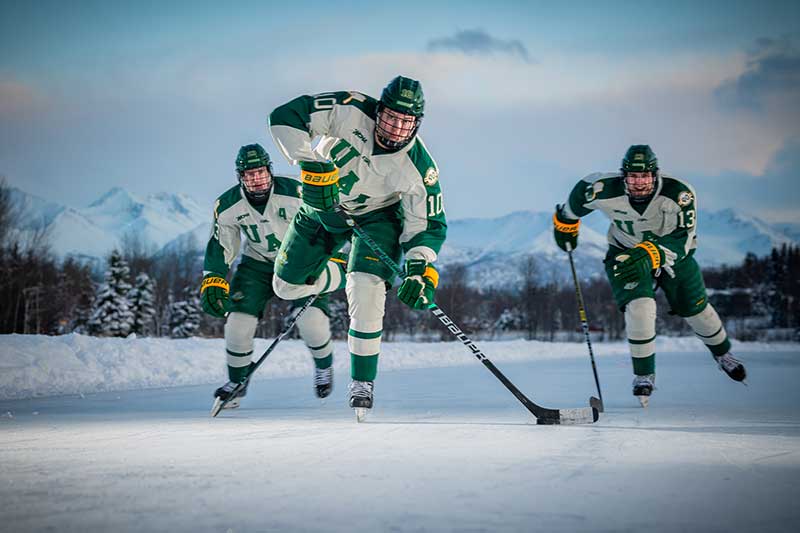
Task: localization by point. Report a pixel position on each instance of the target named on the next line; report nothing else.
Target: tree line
(138, 292)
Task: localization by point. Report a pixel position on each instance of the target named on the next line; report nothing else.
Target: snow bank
(39, 365)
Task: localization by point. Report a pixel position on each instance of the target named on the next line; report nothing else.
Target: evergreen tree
(509, 320)
(184, 315)
(143, 305)
(112, 316)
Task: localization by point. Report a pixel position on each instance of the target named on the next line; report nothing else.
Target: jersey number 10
(435, 204)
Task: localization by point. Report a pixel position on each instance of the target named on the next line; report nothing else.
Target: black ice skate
(323, 381)
(731, 366)
(227, 395)
(361, 397)
(643, 387)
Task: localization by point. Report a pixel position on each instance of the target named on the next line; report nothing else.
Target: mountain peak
(116, 197)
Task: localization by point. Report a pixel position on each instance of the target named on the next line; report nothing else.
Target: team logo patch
(685, 198)
(431, 177)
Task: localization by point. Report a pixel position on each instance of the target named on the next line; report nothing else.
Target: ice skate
(224, 393)
(731, 366)
(643, 387)
(361, 398)
(323, 381)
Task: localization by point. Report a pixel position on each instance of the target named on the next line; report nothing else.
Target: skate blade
(217, 407)
(644, 400)
(361, 413)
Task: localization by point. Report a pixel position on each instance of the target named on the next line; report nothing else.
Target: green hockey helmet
(254, 170)
(640, 158)
(400, 112)
(640, 172)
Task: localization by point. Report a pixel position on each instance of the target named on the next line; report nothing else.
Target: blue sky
(524, 98)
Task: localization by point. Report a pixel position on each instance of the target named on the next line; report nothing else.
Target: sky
(522, 98)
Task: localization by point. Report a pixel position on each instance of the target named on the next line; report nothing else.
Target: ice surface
(446, 448)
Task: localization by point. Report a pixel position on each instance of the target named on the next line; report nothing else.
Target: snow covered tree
(143, 305)
(112, 316)
(509, 320)
(184, 315)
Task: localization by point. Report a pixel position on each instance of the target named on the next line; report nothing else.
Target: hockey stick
(254, 366)
(584, 415)
(598, 403)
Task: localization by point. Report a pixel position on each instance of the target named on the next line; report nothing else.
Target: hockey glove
(214, 295)
(565, 230)
(320, 184)
(419, 285)
(635, 264)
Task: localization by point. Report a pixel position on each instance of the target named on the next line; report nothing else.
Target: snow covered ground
(129, 445)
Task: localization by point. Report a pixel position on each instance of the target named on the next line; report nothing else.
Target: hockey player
(652, 239)
(370, 160)
(260, 206)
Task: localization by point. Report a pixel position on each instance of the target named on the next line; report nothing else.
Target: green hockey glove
(214, 295)
(565, 230)
(320, 184)
(637, 263)
(419, 285)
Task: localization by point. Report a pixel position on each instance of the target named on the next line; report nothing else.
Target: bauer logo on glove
(320, 184)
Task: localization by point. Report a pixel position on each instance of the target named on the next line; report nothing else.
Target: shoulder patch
(685, 198)
(431, 176)
(677, 190)
(424, 163)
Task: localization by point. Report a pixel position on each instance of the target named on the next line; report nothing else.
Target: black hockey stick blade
(597, 403)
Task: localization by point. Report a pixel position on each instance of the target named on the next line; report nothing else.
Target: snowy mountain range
(494, 250)
(109, 222)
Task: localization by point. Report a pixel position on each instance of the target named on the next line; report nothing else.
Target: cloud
(772, 195)
(17, 97)
(479, 43)
(772, 71)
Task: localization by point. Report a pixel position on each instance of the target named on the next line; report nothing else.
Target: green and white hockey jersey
(263, 226)
(370, 178)
(669, 219)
